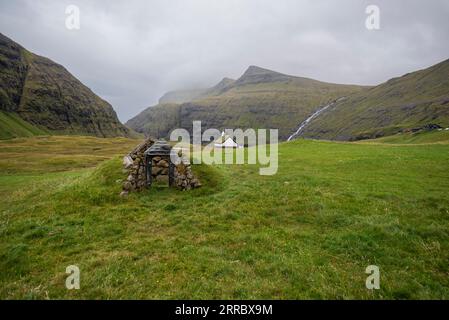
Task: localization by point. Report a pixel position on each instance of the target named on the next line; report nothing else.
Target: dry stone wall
(184, 178)
(134, 166)
(160, 169)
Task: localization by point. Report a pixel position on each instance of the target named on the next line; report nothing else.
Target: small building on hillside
(226, 141)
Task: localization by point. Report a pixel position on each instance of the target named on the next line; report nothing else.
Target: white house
(226, 141)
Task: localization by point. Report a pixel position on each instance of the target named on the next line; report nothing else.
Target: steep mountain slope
(48, 97)
(260, 98)
(412, 101)
(12, 126)
(222, 86)
(157, 121)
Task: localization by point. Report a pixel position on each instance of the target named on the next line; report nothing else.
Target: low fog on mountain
(131, 54)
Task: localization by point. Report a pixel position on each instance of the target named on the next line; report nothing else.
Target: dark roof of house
(159, 148)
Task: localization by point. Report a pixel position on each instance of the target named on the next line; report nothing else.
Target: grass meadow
(307, 232)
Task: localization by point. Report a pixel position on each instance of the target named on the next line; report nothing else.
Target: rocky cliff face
(13, 71)
(46, 95)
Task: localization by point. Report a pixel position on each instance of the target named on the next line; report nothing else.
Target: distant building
(226, 141)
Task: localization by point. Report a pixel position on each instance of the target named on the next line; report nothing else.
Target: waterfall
(313, 116)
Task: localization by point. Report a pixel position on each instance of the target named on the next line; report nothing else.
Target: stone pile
(160, 169)
(184, 178)
(134, 166)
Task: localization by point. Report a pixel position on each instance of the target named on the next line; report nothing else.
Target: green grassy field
(12, 126)
(307, 232)
(426, 137)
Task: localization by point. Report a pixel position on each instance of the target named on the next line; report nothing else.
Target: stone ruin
(136, 170)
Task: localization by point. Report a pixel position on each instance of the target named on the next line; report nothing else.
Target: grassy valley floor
(307, 232)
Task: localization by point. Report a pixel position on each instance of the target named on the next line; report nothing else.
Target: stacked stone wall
(134, 168)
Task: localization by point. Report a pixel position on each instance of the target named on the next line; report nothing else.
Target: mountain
(182, 96)
(39, 95)
(157, 121)
(260, 98)
(219, 88)
(12, 126)
(255, 75)
(413, 101)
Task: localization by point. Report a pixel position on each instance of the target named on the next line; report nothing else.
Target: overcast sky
(131, 52)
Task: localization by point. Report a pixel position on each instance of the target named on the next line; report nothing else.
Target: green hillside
(157, 121)
(45, 94)
(266, 99)
(12, 126)
(400, 104)
(260, 98)
(308, 232)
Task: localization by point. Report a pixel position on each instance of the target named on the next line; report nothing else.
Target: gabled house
(226, 141)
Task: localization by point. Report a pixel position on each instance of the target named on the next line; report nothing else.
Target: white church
(226, 141)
